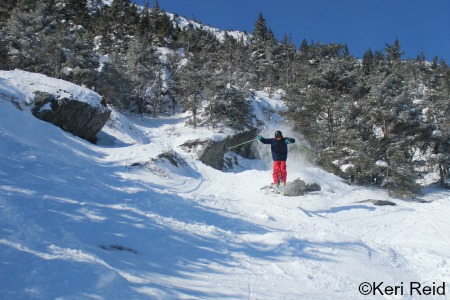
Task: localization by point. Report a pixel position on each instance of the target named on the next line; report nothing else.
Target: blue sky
(361, 24)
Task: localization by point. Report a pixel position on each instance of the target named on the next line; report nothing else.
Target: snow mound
(20, 87)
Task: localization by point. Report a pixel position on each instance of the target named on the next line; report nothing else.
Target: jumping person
(279, 155)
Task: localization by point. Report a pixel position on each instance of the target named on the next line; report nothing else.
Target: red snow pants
(279, 171)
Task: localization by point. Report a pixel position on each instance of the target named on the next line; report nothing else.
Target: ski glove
(259, 137)
(288, 141)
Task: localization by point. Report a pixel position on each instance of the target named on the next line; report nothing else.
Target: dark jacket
(279, 148)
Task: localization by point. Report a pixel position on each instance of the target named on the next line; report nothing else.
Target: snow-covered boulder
(75, 109)
(77, 117)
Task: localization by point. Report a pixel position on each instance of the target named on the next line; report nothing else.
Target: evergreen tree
(396, 125)
(233, 60)
(393, 52)
(118, 25)
(314, 102)
(261, 32)
(438, 116)
(4, 59)
(114, 84)
(5, 10)
(31, 38)
(160, 24)
(172, 92)
(157, 91)
(73, 11)
(368, 62)
(141, 60)
(263, 51)
(95, 8)
(80, 62)
(234, 108)
(144, 26)
(193, 87)
(287, 61)
(304, 48)
(39, 38)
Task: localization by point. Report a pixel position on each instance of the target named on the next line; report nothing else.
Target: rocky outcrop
(212, 153)
(299, 188)
(77, 117)
(294, 188)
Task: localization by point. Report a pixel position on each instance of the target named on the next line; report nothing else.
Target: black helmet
(278, 134)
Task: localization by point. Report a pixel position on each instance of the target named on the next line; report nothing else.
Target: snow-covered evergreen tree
(5, 10)
(194, 83)
(263, 50)
(141, 60)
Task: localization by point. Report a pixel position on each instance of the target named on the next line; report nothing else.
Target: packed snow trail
(111, 221)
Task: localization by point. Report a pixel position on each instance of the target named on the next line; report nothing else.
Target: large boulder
(294, 188)
(299, 188)
(77, 117)
(212, 152)
(73, 108)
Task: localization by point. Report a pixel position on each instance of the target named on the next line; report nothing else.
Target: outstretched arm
(263, 140)
(289, 141)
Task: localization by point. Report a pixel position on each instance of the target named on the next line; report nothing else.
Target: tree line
(377, 120)
(380, 119)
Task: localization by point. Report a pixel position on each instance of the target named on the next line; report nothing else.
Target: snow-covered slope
(114, 221)
(19, 87)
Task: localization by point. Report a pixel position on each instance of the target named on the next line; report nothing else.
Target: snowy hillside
(184, 23)
(118, 220)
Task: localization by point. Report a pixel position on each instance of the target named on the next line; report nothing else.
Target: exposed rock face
(213, 152)
(76, 117)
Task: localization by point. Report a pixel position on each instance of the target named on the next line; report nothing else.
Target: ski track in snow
(82, 221)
